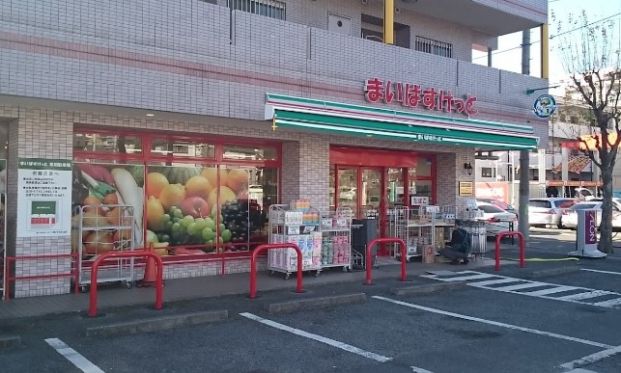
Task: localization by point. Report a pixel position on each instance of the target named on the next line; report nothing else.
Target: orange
(237, 180)
(172, 195)
(156, 182)
(211, 175)
(198, 186)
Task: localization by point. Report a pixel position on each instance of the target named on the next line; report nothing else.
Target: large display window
(192, 196)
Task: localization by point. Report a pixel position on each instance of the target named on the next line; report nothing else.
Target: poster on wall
(43, 197)
(112, 196)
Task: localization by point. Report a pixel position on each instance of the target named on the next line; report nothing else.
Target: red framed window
(373, 181)
(193, 196)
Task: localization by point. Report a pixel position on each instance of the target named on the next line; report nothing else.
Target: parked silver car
(548, 211)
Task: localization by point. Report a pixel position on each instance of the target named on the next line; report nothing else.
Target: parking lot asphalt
(467, 329)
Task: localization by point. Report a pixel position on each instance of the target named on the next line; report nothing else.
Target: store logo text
(412, 95)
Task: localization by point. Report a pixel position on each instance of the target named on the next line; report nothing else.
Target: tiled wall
(181, 58)
(43, 133)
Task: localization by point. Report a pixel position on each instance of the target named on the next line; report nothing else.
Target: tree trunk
(605, 242)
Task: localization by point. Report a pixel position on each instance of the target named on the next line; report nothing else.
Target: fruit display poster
(44, 197)
(111, 196)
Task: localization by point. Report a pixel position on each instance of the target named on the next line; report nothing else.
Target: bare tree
(590, 54)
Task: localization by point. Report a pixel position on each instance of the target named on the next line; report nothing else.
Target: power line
(583, 26)
(553, 36)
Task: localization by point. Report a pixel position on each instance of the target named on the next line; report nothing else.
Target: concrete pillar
(564, 167)
(541, 164)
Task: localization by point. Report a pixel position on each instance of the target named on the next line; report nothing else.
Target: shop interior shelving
(106, 228)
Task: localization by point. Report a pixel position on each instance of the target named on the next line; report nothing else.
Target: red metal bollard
(159, 283)
(522, 241)
(369, 265)
(253, 265)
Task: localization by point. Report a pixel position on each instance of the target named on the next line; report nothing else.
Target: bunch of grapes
(235, 218)
(187, 230)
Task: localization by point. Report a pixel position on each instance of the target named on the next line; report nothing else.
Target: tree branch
(602, 100)
(589, 153)
(581, 90)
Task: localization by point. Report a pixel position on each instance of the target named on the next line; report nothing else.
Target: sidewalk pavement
(552, 250)
(111, 297)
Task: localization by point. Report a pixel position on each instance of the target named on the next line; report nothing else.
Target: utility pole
(523, 226)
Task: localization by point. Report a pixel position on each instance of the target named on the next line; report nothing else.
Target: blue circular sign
(544, 106)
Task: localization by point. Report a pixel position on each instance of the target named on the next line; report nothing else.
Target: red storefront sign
(412, 95)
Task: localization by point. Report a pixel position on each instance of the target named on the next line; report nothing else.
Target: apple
(195, 206)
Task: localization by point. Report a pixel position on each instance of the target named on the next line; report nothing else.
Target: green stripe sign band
(330, 129)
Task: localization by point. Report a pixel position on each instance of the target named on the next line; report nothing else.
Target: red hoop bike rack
(266, 247)
(369, 265)
(522, 243)
(159, 283)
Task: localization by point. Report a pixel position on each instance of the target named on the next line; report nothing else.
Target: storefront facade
(202, 143)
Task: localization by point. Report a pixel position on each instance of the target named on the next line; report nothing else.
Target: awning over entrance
(364, 121)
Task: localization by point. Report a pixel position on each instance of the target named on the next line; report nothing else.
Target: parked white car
(496, 219)
(548, 211)
(571, 219)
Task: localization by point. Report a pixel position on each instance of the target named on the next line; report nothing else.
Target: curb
(551, 272)
(316, 303)
(428, 288)
(10, 341)
(157, 323)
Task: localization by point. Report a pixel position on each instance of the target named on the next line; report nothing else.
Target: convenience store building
(202, 107)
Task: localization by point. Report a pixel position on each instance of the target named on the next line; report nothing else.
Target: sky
(506, 59)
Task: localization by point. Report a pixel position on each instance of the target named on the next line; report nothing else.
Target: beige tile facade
(202, 68)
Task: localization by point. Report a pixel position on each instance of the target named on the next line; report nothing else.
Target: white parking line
(598, 271)
(73, 356)
(318, 338)
(587, 295)
(590, 359)
(477, 276)
(513, 285)
(557, 289)
(494, 323)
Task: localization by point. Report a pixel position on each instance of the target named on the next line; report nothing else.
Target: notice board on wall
(43, 197)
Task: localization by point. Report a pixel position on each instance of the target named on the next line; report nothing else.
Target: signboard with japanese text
(466, 189)
(43, 197)
(413, 95)
(419, 201)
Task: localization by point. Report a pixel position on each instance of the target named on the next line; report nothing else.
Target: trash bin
(478, 236)
(363, 231)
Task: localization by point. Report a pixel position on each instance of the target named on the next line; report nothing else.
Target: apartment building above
(221, 59)
(449, 28)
